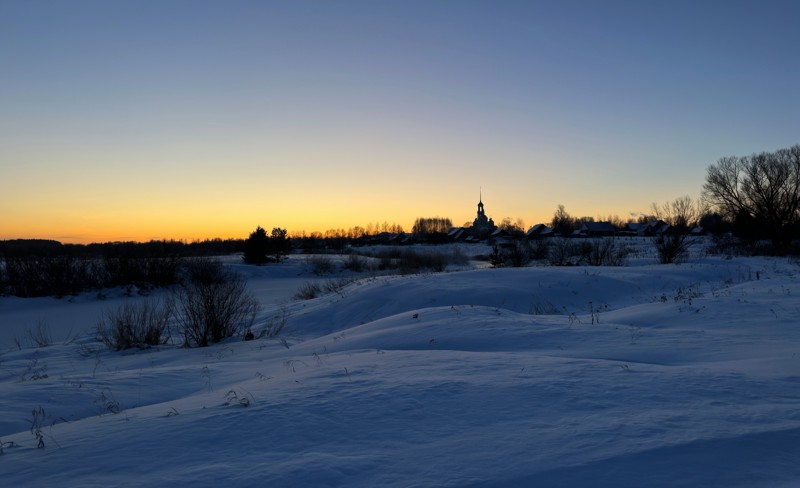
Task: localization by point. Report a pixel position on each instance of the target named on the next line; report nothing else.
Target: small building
(458, 234)
(633, 229)
(656, 228)
(539, 231)
(597, 229)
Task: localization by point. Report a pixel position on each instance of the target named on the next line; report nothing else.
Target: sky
(139, 120)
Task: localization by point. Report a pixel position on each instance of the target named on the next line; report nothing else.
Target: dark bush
(605, 251)
(308, 291)
(672, 247)
(142, 271)
(356, 263)
(728, 245)
(562, 252)
(36, 276)
(213, 304)
(539, 249)
(321, 264)
(519, 254)
(139, 325)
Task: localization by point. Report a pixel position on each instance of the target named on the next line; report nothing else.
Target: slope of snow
(676, 376)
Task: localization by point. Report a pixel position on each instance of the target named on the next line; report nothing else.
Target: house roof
(598, 227)
(539, 229)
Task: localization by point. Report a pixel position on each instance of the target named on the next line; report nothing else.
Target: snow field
(682, 375)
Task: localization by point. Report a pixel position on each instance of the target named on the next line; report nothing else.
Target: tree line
(754, 198)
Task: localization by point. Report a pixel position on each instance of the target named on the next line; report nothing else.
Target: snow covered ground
(643, 375)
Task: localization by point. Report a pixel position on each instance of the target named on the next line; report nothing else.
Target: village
(484, 230)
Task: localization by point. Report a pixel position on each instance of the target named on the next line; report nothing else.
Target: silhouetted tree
(256, 247)
(682, 214)
(279, 245)
(431, 229)
(764, 187)
(714, 223)
(512, 226)
(562, 222)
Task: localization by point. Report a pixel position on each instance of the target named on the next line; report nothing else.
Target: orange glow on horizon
(198, 226)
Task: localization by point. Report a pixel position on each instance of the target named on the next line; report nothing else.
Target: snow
(643, 375)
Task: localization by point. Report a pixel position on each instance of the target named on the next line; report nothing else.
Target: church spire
(482, 225)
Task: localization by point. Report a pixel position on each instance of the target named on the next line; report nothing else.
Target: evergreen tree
(278, 245)
(256, 247)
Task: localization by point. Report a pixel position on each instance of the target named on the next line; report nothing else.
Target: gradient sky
(138, 120)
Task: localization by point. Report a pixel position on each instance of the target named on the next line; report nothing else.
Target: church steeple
(482, 225)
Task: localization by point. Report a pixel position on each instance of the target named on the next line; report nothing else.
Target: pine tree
(278, 245)
(256, 247)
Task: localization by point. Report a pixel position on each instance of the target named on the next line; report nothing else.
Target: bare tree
(682, 214)
(431, 228)
(764, 188)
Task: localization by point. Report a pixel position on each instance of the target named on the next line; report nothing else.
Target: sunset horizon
(189, 121)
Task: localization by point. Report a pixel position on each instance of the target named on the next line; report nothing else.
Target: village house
(597, 229)
(539, 231)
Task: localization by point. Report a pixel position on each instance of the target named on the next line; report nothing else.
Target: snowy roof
(539, 229)
(598, 227)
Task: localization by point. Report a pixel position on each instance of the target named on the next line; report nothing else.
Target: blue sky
(194, 119)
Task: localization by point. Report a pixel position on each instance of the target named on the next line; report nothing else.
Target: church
(482, 226)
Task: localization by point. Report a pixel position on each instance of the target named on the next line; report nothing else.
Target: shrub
(336, 286)
(275, 324)
(41, 336)
(139, 325)
(672, 247)
(36, 276)
(142, 271)
(519, 255)
(603, 252)
(213, 304)
(539, 249)
(561, 252)
(413, 262)
(355, 263)
(308, 291)
(322, 264)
